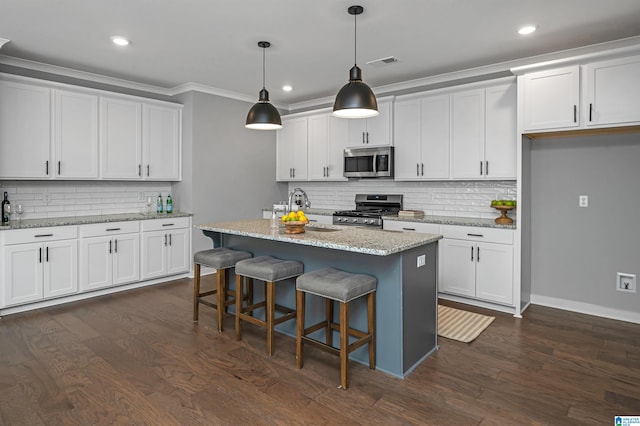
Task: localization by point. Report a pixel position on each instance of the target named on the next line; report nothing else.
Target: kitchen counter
(404, 264)
(348, 238)
(83, 220)
(441, 220)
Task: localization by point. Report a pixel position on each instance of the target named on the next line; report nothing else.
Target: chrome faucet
(307, 203)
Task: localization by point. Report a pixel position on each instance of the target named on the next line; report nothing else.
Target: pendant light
(263, 115)
(355, 99)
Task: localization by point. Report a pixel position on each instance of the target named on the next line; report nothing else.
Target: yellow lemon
(293, 215)
(300, 213)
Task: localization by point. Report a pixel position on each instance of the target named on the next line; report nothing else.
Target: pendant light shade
(263, 115)
(355, 99)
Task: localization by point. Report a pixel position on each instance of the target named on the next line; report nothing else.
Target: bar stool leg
(249, 294)
(221, 297)
(371, 321)
(329, 315)
(271, 314)
(239, 305)
(300, 302)
(196, 291)
(344, 343)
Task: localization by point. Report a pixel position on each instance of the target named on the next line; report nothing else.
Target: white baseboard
(586, 308)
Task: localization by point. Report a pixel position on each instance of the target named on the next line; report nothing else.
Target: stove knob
(366, 221)
(354, 220)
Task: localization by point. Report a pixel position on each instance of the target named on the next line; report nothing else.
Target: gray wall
(576, 252)
(228, 171)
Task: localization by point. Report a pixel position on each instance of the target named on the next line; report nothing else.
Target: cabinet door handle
(294, 172)
(472, 253)
(46, 167)
(363, 137)
(417, 169)
(43, 235)
(148, 170)
(47, 254)
(40, 255)
(115, 249)
(575, 113)
(422, 168)
(169, 239)
(59, 168)
(165, 239)
(367, 138)
(590, 111)
(110, 251)
(475, 235)
(480, 168)
(139, 169)
(478, 255)
(486, 168)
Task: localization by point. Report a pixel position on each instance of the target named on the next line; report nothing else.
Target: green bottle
(169, 204)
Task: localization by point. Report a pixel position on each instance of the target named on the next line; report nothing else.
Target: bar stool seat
(339, 286)
(222, 259)
(270, 270)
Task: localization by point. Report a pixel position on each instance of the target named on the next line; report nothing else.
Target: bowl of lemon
(294, 222)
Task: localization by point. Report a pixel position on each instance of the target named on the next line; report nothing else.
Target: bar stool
(343, 287)
(270, 270)
(223, 259)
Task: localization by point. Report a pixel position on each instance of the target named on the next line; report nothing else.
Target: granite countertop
(348, 238)
(84, 220)
(441, 220)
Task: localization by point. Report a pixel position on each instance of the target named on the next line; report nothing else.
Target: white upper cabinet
(161, 142)
(612, 92)
(291, 148)
(421, 137)
(500, 132)
(327, 139)
(75, 134)
(25, 131)
(375, 130)
(121, 138)
(467, 134)
(552, 99)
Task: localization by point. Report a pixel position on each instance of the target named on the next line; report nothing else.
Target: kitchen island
(405, 265)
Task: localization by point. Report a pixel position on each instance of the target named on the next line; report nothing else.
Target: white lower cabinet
(477, 263)
(39, 264)
(109, 255)
(165, 247)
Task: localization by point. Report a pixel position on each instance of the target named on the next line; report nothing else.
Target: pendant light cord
(263, 66)
(355, 39)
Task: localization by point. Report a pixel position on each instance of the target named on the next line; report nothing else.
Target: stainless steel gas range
(369, 211)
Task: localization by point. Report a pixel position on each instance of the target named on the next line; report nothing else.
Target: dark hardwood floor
(137, 358)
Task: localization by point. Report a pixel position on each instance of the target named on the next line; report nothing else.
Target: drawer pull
(43, 235)
(475, 235)
(113, 229)
(167, 224)
(408, 229)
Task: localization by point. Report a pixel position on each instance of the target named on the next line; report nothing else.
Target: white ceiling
(214, 42)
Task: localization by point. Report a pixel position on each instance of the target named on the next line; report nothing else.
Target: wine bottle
(159, 204)
(169, 204)
(5, 203)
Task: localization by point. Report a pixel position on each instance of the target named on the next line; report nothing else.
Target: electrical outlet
(422, 260)
(626, 282)
(583, 201)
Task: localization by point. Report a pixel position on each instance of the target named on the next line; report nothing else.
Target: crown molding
(202, 88)
(82, 75)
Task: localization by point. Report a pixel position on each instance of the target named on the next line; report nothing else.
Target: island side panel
(420, 305)
(387, 269)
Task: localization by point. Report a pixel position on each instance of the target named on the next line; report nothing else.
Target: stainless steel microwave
(369, 162)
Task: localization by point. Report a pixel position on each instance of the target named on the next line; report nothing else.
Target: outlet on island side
(626, 282)
(421, 261)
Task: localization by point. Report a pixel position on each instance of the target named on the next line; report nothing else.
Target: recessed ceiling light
(527, 29)
(287, 88)
(120, 41)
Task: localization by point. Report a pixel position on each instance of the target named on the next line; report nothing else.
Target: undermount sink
(319, 229)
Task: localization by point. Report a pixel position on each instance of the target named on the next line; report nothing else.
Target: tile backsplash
(451, 198)
(43, 199)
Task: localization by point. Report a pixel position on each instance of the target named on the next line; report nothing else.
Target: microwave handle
(375, 163)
